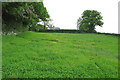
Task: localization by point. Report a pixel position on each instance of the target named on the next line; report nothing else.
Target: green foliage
(59, 55)
(41, 10)
(84, 27)
(37, 28)
(88, 21)
(18, 16)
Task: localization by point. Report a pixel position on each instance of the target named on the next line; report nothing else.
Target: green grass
(59, 55)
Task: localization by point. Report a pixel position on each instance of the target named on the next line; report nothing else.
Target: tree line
(22, 16)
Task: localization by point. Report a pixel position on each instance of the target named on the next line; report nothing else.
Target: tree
(78, 22)
(18, 16)
(42, 13)
(88, 21)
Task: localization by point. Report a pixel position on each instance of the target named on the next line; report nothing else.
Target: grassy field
(59, 55)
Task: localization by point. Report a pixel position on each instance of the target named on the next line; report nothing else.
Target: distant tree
(88, 21)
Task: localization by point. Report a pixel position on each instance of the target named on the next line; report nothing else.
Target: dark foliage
(18, 16)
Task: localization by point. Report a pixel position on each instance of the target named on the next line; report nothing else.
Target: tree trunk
(44, 25)
(92, 27)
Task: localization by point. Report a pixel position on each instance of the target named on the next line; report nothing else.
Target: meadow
(59, 55)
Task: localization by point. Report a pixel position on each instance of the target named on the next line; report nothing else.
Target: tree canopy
(18, 16)
(88, 21)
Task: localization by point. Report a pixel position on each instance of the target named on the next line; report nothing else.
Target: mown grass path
(59, 55)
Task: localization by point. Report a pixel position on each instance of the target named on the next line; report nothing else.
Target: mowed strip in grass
(59, 55)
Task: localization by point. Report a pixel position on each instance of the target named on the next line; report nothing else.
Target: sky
(65, 13)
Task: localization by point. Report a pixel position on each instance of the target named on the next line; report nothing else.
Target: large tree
(18, 16)
(88, 21)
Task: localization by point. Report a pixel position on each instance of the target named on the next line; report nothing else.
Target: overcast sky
(66, 12)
